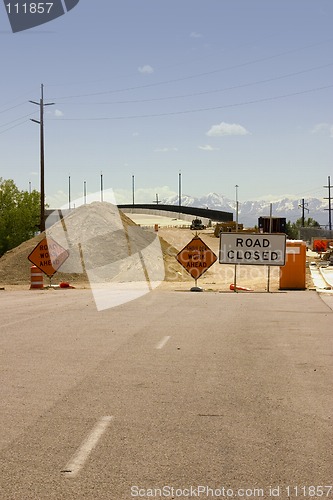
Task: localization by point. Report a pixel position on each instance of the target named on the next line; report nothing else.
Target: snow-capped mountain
(249, 211)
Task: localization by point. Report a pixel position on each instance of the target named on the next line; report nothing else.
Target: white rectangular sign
(263, 249)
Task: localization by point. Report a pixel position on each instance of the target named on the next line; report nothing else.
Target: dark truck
(197, 224)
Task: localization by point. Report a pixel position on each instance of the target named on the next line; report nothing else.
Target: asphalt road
(173, 390)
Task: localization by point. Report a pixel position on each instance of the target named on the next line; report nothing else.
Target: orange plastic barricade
(293, 273)
(320, 246)
(37, 281)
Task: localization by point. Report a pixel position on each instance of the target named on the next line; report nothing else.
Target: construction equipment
(227, 227)
(197, 224)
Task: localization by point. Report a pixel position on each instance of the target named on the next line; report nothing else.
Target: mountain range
(249, 211)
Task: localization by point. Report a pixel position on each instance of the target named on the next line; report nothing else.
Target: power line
(196, 75)
(14, 126)
(314, 190)
(12, 107)
(206, 92)
(198, 110)
(19, 97)
(182, 62)
(17, 119)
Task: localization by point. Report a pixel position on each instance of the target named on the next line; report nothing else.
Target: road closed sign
(253, 249)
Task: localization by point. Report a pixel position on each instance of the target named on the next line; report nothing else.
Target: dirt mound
(103, 244)
(14, 264)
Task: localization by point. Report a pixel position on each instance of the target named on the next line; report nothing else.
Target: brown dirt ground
(15, 266)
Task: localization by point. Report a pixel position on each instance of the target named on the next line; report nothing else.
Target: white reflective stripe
(293, 250)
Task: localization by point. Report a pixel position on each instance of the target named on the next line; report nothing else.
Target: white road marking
(80, 456)
(162, 342)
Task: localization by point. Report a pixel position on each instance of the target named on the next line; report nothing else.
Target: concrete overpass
(179, 212)
(172, 211)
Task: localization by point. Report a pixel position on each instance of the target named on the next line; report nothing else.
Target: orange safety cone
(241, 288)
(64, 284)
(36, 281)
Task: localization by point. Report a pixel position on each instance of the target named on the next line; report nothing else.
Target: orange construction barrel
(36, 281)
(293, 273)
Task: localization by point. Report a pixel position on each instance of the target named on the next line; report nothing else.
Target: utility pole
(85, 192)
(41, 105)
(303, 207)
(329, 204)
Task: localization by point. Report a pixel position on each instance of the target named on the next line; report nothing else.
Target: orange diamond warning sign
(48, 256)
(196, 257)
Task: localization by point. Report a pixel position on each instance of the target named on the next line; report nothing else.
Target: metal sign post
(263, 249)
(235, 278)
(270, 230)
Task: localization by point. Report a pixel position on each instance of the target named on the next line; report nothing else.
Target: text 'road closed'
(252, 249)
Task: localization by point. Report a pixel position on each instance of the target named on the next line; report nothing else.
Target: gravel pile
(104, 246)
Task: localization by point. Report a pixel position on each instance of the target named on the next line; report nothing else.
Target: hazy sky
(227, 91)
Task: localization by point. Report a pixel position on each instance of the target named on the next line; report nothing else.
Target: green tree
(309, 222)
(19, 215)
(292, 229)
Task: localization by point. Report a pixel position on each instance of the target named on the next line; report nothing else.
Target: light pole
(69, 192)
(236, 187)
(180, 189)
(133, 189)
(41, 105)
(102, 187)
(157, 201)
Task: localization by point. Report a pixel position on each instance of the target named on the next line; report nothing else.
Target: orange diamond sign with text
(48, 256)
(196, 257)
